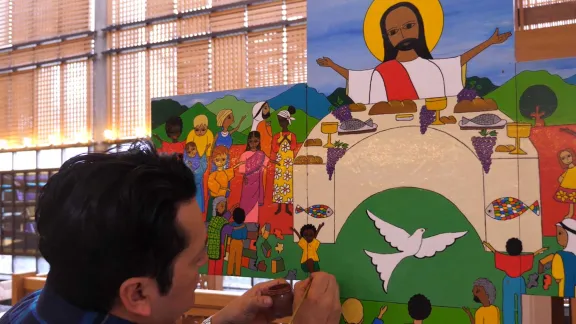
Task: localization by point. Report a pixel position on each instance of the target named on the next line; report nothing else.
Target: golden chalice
(436, 104)
(518, 131)
(329, 128)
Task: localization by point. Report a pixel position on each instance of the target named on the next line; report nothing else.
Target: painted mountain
(571, 80)
(303, 97)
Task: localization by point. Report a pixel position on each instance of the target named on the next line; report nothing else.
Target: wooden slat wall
(269, 57)
(545, 29)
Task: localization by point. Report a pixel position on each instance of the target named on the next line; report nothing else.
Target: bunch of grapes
(467, 94)
(484, 147)
(426, 118)
(334, 155)
(342, 113)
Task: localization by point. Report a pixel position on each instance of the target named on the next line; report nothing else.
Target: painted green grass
(445, 279)
(508, 95)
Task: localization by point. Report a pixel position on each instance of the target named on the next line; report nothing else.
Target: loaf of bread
(313, 142)
(393, 107)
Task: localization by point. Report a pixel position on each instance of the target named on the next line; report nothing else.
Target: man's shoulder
(22, 312)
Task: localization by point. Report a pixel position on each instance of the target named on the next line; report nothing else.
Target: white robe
(257, 115)
(431, 79)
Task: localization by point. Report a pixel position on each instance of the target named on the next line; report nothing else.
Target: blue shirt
(239, 232)
(45, 307)
(377, 321)
(569, 261)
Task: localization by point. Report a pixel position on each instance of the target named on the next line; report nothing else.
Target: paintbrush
(300, 304)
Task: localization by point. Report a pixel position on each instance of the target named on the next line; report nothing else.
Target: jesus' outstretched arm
(327, 62)
(495, 39)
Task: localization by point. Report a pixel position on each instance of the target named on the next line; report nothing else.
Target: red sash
(397, 81)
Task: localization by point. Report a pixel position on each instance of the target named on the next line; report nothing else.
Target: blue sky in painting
(335, 30)
(249, 95)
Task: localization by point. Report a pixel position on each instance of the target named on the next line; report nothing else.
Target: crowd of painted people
(208, 155)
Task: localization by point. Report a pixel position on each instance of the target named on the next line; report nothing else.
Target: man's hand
(252, 307)
(322, 304)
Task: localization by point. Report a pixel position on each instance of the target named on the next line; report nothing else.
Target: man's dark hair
(107, 217)
(390, 52)
(306, 227)
(419, 307)
(174, 121)
(514, 246)
(239, 215)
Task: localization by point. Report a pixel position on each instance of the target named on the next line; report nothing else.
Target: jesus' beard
(266, 116)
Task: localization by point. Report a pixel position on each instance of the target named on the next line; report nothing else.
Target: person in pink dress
(254, 164)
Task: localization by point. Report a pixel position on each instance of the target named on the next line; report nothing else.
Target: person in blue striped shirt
(125, 240)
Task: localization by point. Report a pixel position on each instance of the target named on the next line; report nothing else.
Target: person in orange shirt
(219, 180)
(261, 123)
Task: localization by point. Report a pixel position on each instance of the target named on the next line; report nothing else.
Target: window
(164, 48)
(45, 72)
(543, 28)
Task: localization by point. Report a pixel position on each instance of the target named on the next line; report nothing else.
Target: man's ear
(136, 295)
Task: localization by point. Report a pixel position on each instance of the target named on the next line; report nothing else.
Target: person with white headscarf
(564, 262)
(283, 146)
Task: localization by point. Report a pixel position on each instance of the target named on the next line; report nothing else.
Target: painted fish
(484, 120)
(507, 208)
(316, 211)
(355, 124)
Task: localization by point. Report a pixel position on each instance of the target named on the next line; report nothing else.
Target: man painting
(408, 71)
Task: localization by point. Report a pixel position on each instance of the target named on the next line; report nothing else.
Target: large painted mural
(421, 165)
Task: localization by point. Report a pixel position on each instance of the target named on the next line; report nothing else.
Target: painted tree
(538, 102)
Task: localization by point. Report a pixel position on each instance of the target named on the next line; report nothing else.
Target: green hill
(188, 120)
(508, 95)
(301, 126)
(238, 106)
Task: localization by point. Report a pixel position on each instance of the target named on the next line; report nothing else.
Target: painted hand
(325, 62)
(382, 311)
(498, 38)
(322, 304)
(252, 307)
(467, 310)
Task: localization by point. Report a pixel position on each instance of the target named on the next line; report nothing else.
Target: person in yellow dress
(484, 292)
(566, 193)
(283, 146)
(202, 136)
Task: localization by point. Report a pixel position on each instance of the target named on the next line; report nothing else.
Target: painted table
(442, 160)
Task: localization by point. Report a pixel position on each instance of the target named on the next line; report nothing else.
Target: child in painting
(198, 165)
(484, 293)
(353, 312)
(309, 244)
(237, 237)
(283, 146)
(173, 129)
(514, 265)
(419, 309)
(567, 192)
(218, 229)
(219, 180)
(202, 136)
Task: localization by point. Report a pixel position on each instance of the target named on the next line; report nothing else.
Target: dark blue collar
(51, 308)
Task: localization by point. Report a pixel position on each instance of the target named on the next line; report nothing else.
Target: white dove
(407, 245)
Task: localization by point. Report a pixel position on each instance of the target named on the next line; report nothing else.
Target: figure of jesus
(408, 71)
